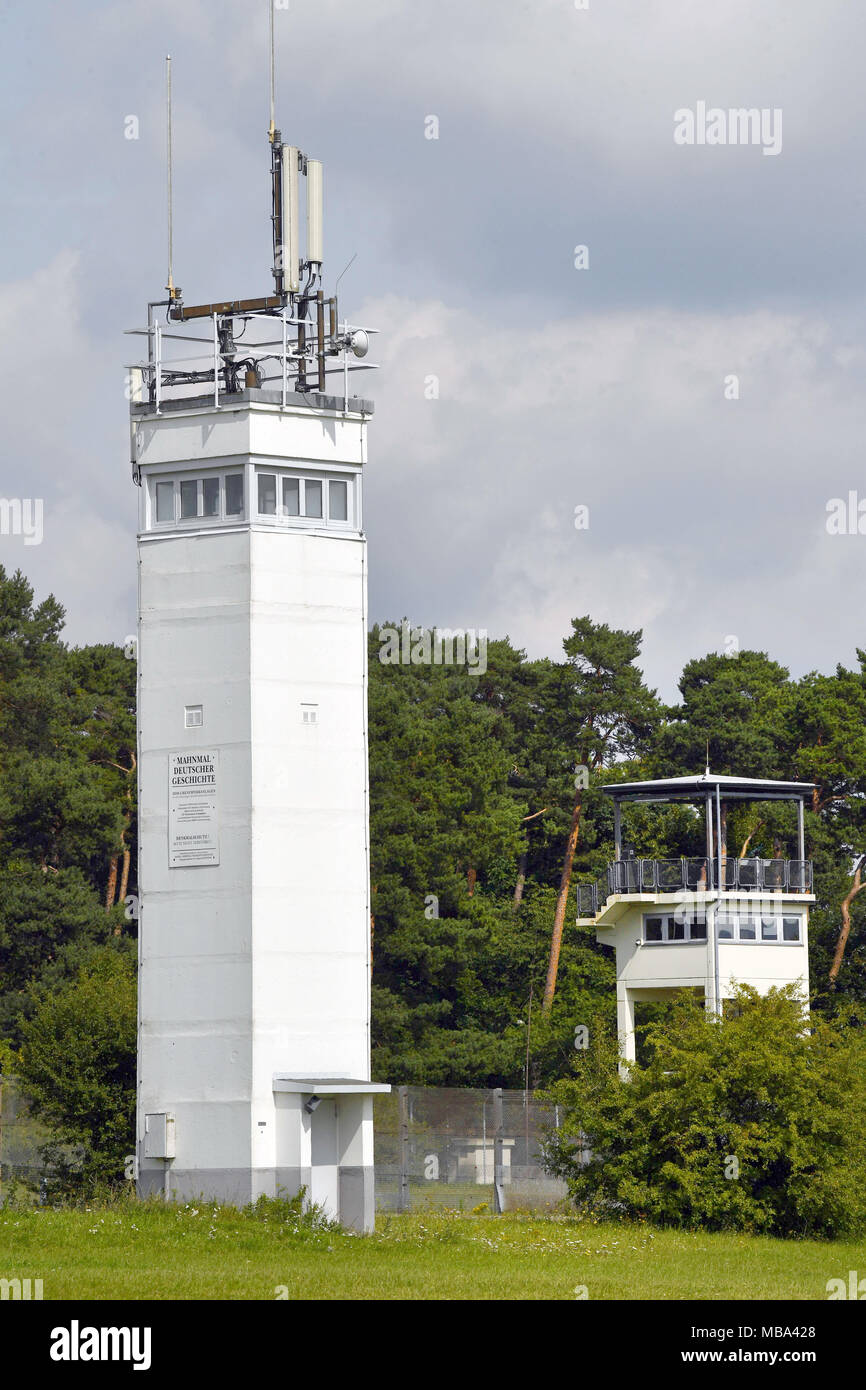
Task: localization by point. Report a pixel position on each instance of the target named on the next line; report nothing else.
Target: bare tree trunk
(471, 876)
(124, 876)
(111, 890)
(521, 879)
(522, 862)
(856, 887)
(561, 901)
(749, 838)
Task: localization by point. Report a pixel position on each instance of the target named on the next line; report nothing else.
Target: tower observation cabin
(704, 923)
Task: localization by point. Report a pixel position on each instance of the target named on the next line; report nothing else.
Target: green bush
(753, 1123)
(77, 1067)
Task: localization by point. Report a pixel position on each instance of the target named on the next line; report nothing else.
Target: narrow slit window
(188, 498)
(312, 497)
(210, 491)
(165, 501)
(338, 501)
(267, 494)
(234, 494)
(292, 496)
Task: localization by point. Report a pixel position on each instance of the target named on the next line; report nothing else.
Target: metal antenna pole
(271, 127)
(170, 285)
(343, 271)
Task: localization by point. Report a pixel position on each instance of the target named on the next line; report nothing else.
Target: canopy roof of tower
(697, 788)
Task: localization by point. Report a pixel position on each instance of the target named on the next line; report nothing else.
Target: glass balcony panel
(670, 875)
(696, 874)
(647, 875)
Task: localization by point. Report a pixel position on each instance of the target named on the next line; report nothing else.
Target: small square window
(725, 928)
(312, 497)
(234, 494)
(188, 498)
(192, 717)
(698, 931)
(338, 501)
(748, 929)
(210, 491)
(165, 501)
(769, 929)
(292, 496)
(653, 929)
(309, 714)
(267, 494)
(790, 929)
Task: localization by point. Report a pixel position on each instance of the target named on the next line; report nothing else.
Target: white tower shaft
(253, 802)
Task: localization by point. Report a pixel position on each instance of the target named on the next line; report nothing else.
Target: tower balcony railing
(653, 876)
(272, 350)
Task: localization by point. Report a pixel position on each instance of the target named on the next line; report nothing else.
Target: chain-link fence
(469, 1149)
(434, 1146)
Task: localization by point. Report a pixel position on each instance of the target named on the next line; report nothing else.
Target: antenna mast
(271, 127)
(298, 299)
(172, 292)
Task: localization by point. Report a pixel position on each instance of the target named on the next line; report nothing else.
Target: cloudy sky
(559, 387)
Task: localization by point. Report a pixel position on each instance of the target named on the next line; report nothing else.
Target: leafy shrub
(753, 1123)
(77, 1067)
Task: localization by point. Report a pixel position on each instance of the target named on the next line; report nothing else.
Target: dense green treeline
(485, 808)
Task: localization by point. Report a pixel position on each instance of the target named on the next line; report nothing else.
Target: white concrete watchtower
(254, 932)
(705, 923)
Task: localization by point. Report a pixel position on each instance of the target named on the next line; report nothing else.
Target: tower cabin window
(292, 496)
(165, 501)
(187, 499)
(312, 497)
(234, 494)
(338, 500)
(730, 926)
(676, 926)
(267, 494)
(210, 492)
(329, 500)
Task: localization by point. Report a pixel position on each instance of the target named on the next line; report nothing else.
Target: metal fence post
(498, 1183)
(403, 1201)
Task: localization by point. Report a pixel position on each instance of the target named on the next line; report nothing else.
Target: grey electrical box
(159, 1135)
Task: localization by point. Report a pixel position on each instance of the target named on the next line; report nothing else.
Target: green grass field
(135, 1250)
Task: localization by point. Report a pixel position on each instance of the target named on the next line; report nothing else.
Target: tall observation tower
(254, 986)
